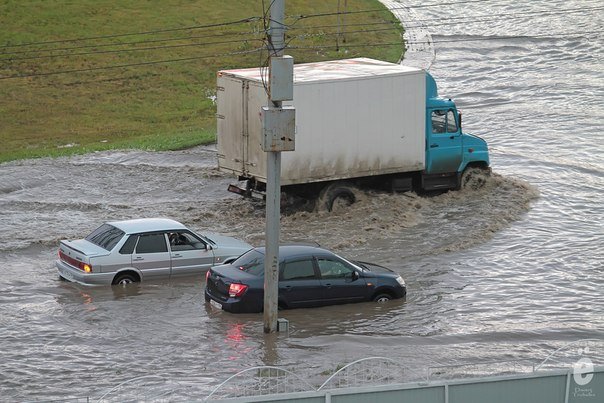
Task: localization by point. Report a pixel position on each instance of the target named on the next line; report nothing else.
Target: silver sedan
(123, 252)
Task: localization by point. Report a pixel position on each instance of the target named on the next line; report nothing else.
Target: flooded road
(511, 270)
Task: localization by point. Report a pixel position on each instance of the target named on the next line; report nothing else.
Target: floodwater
(511, 270)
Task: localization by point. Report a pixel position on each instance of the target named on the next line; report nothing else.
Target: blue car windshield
(106, 236)
(251, 262)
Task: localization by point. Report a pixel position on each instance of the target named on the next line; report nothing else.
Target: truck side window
(451, 122)
(439, 121)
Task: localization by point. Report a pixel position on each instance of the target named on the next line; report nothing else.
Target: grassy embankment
(156, 106)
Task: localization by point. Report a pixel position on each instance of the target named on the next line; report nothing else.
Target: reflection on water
(507, 271)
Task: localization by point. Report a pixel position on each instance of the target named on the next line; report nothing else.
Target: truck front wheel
(473, 177)
(335, 195)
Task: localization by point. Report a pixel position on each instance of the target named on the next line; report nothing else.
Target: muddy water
(509, 270)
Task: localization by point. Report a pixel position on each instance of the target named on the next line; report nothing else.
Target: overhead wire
(129, 50)
(102, 45)
(184, 59)
(307, 16)
(266, 39)
(569, 35)
(158, 31)
(467, 18)
(448, 21)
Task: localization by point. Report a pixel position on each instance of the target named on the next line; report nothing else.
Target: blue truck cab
(449, 151)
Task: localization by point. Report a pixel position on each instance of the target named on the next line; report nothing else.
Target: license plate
(215, 304)
(66, 275)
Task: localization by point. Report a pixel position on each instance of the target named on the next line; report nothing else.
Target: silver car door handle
(176, 255)
(138, 258)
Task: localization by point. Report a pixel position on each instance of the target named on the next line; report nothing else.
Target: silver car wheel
(124, 279)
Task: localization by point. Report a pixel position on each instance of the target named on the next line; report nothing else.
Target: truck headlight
(400, 280)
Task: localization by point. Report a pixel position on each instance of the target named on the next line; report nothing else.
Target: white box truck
(359, 122)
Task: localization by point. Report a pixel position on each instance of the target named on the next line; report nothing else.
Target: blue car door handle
(328, 285)
(433, 145)
(288, 288)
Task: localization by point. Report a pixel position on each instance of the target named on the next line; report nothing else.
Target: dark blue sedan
(308, 276)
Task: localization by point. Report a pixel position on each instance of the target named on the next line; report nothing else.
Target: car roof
(147, 225)
(286, 251)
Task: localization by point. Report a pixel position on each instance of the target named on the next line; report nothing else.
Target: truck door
(444, 151)
(231, 123)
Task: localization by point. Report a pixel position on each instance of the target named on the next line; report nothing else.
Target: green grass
(159, 106)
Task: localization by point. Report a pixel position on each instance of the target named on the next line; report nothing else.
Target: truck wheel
(336, 194)
(473, 178)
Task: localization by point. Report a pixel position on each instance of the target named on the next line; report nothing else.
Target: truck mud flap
(245, 191)
(237, 189)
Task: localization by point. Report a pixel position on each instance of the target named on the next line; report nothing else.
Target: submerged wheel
(473, 178)
(383, 297)
(125, 279)
(335, 195)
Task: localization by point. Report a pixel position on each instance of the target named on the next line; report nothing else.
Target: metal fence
(555, 386)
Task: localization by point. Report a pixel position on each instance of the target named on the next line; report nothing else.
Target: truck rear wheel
(336, 194)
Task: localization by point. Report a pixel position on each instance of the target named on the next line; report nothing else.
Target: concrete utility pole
(278, 127)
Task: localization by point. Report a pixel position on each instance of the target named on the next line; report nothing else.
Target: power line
(348, 25)
(569, 35)
(102, 45)
(264, 19)
(361, 31)
(306, 16)
(469, 18)
(159, 31)
(358, 45)
(214, 25)
(253, 39)
(129, 50)
(186, 59)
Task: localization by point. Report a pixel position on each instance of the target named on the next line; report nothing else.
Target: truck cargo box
(354, 118)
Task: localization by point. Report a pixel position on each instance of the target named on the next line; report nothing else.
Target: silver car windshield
(106, 236)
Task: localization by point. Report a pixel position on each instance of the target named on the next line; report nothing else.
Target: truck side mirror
(459, 113)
